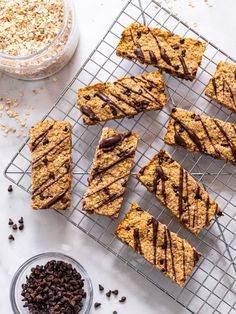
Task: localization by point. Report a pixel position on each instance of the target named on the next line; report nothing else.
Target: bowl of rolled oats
(37, 37)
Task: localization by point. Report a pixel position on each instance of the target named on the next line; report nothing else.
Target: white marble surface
(47, 231)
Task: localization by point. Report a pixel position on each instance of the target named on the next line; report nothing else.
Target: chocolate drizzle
(109, 102)
(214, 85)
(87, 111)
(153, 57)
(159, 175)
(138, 52)
(56, 146)
(137, 242)
(154, 223)
(229, 89)
(207, 211)
(40, 138)
(231, 144)
(109, 143)
(193, 136)
(163, 53)
(185, 68)
(184, 270)
(218, 155)
(181, 184)
(195, 213)
(124, 156)
(164, 247)
(171, 253)
(54, 200)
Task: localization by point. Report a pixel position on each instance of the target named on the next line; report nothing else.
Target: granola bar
(125, 97)
(110, 172)
(169, 52)
(200, 133)
(222, 86)
(50, 145)
(177, 190)
(173, 256)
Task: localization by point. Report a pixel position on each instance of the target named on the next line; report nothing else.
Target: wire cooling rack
(211, 287)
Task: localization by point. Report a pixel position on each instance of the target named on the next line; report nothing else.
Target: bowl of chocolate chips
(51, 283)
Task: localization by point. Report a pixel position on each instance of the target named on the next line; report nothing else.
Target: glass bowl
(41, 259)
(52, 57)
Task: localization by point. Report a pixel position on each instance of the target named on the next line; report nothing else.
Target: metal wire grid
(211, 288)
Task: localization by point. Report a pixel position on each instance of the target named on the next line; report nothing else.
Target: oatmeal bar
(125, 97)
(110, 172)
(50, 145)
(177, 190)
(202, 133)
(222, 86)
(174, 256)
(169, 52)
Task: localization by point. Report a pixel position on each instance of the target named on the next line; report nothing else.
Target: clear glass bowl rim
(51, 255)
(66, 4)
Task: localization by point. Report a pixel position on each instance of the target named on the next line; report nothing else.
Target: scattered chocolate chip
(96, 305)
(220, 214)
(45, 141)
(87, 97)
(101, 288)
(10, 222)
(127, 92)
(14, 227)
(21, 220)
(161, 261)
(45, 161)
(182, 41)
(108, 294)
(10, 189)
(174, 109)
(122, 300)
(21, 227)
(65, 129)
(140, 91)
(115, 292)
(11, 238)
(176, 67)
(183, 53)
(139, 34)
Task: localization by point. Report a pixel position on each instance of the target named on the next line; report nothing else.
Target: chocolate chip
(108, 294)
(161, 261)
(51, 175)
(220, 214)
(96, 305)
(101, 288)
(21, 227)
(115, 292)
(21, 220)
(176, 67)
(87, 97)
(10, 189)
(139, 34)
(10, 222)
(183, 53)
(139, 92)
(45, 161)
(182, 41)
(11, 238)
(174, 109)
(45, 141)
(65, 129)
(122, 300)
(127, 92)
(14, 227)
(175, 47)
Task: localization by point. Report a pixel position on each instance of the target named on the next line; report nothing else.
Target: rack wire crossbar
(211, 288)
